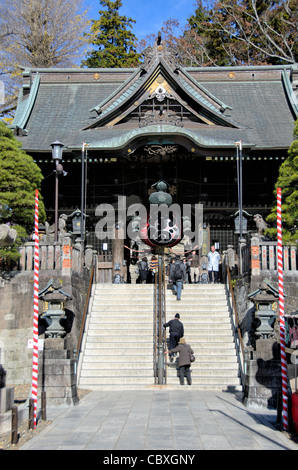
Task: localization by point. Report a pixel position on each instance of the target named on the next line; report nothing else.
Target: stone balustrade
(264, 256)
(66, 256)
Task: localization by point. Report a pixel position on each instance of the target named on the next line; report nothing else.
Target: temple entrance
(210, 181)
(192, 177)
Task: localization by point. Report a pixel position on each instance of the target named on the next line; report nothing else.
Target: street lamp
(57, 150)
(240, 203)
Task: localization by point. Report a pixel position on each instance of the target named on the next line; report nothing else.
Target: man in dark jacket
(176, 332)
(185, 351)
(177, 276)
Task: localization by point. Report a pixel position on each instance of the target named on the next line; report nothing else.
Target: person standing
(187, 270)
(194, 261)
(143, 269)
(168, 270)
(176, 332)
(213, 264)
(177, 276)
(184, 351)
(153, 269)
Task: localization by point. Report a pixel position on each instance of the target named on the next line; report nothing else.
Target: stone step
(129, 295)
(134, 325)
(210, 368)
(168, 387)
(139, 348)
(116, 301)
(116, 350)
(132, 379)
(218, 383)
(183, 306)
(104, 324)
(135, 380)
(96, 355)
(198, 367)
(186, 311)
(127, 327)
(140, 337)
(118, 372)
(120, 345)
(127, 362)
(132, 320)
(133, 287)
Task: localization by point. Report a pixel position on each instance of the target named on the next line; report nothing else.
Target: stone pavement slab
(158, 419)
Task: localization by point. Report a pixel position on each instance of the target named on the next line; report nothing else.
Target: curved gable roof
(254, 104)
(141, 84)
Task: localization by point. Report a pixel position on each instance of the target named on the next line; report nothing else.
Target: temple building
(161, 121)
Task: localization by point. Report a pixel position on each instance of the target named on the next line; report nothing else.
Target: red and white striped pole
(35, 311)
(284, 374)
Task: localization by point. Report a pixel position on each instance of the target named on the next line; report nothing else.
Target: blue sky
(149, 14)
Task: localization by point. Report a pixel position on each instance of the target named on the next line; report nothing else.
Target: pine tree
(238, 32)
(115, 43)
(19, 178)
(288, 182)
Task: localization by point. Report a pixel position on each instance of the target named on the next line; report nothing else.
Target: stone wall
(290, 281)
(16, 318)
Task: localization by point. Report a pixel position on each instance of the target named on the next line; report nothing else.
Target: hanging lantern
(163, 227)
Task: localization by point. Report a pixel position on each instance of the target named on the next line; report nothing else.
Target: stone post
(263, 375)
(231, 256)
(118, 254)
(6, 402)
(293, 258)
(88, 256)
(255, 256)
(57, 375)
(66, 256)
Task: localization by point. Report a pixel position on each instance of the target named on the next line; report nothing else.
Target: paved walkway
(158, 419)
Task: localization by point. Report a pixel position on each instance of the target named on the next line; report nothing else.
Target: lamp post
(57, 150)
(239, 182)
(83, 189)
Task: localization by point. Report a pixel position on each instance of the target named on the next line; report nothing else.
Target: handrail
(155, 326)
(84, 315)
(236, 328)
(159, 315)
(235, 309)
(164, 312)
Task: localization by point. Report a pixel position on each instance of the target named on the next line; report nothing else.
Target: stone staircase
(207, 328)
(118, 348)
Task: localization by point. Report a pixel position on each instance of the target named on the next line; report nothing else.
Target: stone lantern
(264, 298)
(54, 299)
(76, 221)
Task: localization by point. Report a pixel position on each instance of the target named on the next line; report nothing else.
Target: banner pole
(281, 314)
(35, 312)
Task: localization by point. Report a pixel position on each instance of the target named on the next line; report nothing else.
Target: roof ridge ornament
(160, 50)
